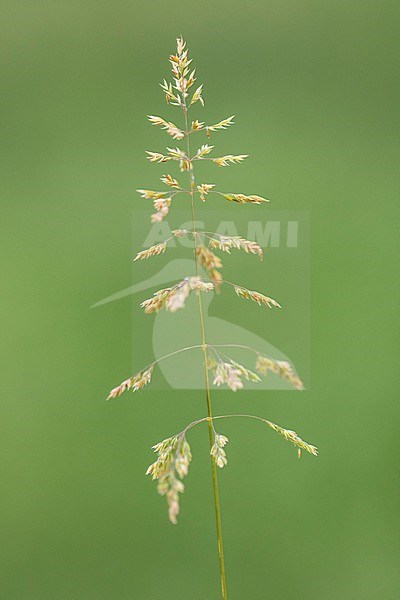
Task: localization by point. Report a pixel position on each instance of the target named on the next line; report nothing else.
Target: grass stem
(217, 508)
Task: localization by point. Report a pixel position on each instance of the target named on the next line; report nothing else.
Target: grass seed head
(256, 297)
(172, 465)
(282, 368)
(134, 383)
(217, 450)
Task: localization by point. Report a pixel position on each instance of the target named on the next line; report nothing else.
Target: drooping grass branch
(174, 454)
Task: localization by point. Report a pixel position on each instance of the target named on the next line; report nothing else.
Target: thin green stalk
(217, 507)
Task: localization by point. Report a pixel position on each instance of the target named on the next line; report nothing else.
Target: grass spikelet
(243, 199)
(157, 157)
(197, 96)
(217, 451)
(229, 159)
(156, 303)
(174, 298)
(134, 383)
(204, 189)
(196, 125)
(170, 96)
(291, 436)
(221, 125)
(246, 373)
(178, 154)
(203, 151)
(170, 182)
(171, 128)
(196, 283)
(228, 372)
(210, 263)
(179, 232)
(282, 368)
(162, 209)
(165, 451)
(150, 194)
(152, 251)
(226, 243)
(216, 278)
(256, 297)
(172, 465)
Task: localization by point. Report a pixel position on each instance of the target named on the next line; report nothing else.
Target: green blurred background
(313, 86)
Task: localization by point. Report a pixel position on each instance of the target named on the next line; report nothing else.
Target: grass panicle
(174, 454)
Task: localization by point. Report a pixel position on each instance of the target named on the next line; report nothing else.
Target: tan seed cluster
(203, 151)
(282, 368)
(170, 181)
(246, 373)
(171, 128)
(229, 372)
(162, 209)
(226, 373)
(221, 125)
(134, 383)
(210, 263)
(174, 298)
(226, 243)
(178, 154)
(204, 189)
(173, 154)
(174, 454)
(165, 450)
(172, 464)
(179, 232)
(217, 450)
(291, 436)
(198, 96)
(243, 199)
(196, 125)
(256, 297)
(229, 159)
(150, 194)
(157, 157)
(183, 80)
(152, 251)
